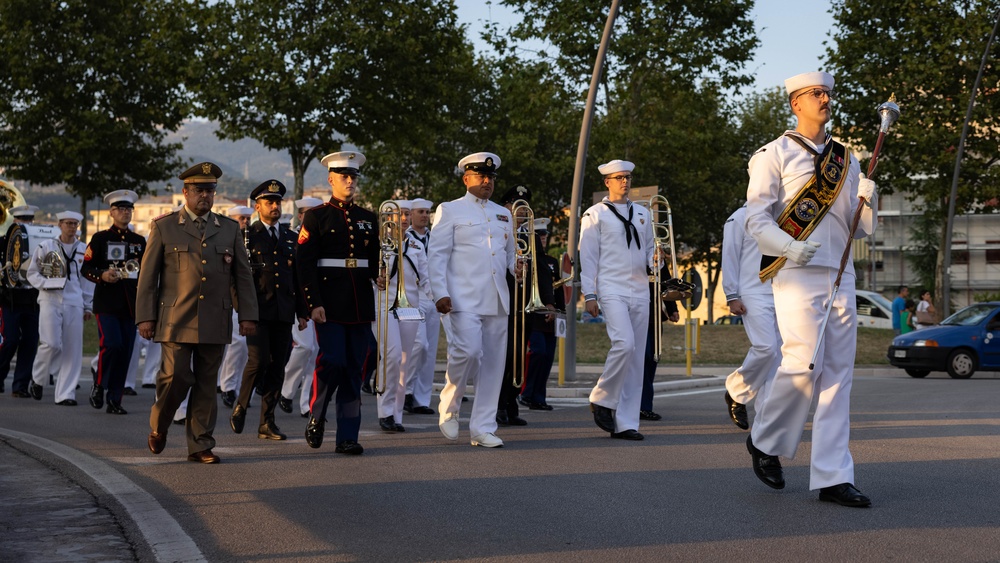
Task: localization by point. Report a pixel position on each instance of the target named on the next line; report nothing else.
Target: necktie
(200, 223)
(274, 235)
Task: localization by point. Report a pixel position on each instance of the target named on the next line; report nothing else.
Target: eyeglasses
(818, 93)
(623, 177)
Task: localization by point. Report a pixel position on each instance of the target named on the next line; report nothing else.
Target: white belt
(342, 263)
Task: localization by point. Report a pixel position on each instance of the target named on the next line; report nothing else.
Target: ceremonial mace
(889, 112)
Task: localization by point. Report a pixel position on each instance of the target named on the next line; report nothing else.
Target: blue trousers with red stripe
(340, 367)
(117, 337)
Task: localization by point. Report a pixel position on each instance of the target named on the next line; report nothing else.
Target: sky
(791, 35)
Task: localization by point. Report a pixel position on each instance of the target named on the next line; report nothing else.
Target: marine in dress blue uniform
(337, 263)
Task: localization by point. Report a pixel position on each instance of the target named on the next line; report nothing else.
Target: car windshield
(971, 315)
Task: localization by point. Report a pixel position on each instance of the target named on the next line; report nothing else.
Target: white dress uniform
(469, 256)
(421, 364)
(401, 334)
(615, 270)
(777, 172)
(301, 365)
(741, 280)
(234, 360)
(60, 326)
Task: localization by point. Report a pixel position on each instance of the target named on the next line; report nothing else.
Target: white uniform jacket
(415, 275)
(470, 254)
(740, 259)
(609, 265)
(78, 291)
(424, 242)
(778, 171)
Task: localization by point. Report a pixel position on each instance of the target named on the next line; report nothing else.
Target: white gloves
(866, 188)
(800, 252)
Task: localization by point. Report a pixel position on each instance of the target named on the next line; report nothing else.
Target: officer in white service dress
(470, 254)
(65, 301)
(420, 370)
(803, 193)
(616, 251)
(754, 302)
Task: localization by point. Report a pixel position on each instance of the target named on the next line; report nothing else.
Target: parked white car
(874, 310)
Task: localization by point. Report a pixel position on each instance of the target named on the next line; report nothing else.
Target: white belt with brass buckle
(342, 263)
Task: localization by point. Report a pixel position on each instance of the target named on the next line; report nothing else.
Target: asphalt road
(927, 452)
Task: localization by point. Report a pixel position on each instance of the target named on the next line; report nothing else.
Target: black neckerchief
(817, 157)
(69, 259)
(629, 227)
(395, 264)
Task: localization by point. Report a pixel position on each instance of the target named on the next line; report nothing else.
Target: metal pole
(946, 267)
(581, 164)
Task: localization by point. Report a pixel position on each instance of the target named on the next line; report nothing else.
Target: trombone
(663, 237)
(527, 255)
(391, 241)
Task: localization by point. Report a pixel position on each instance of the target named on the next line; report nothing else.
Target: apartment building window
(959, 256)
(993, 254)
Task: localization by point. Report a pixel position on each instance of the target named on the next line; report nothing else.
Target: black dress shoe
(516, 421)
(304, 415)
(156, 442)
(67, 402)
(400, 428)
(737, 412)
(766, 467)
(408, 403)
(36, 391)
(205, 456)
(285, 404)
(20, 394)
(603, 417)
(228, 398)
(179, 421)
(845, 494)
(523, 402)
(540, 407)
(502, 418)
(628, 435)
(387, 424)
(238, 419)
(97, 397)
(314, 433)
(649, 415)
(115, 408)
(349, 447)
(149, 386)
(130, 392)
(366, 387)
(270, 431)
(420, 409)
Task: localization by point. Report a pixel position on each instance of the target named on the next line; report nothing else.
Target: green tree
(90, 89)
(927, 52)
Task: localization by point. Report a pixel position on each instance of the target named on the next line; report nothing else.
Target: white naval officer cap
(69, 215)
(344, 162)
(806, 79)
(542, 225)
(404, 204)
(308, 203)
(421, 203)
(239, 211)
(616, 166)
(23, 211)
(121, 198)
(482, 162)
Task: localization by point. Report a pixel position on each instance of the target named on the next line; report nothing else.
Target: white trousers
(620, 386)
(149, 368)
(234, 360)
(301, 365)
(398, 352)
(800, 298)
(133, 362)
(60, 346)
(764, 356)
(477, 345)
(420, 372)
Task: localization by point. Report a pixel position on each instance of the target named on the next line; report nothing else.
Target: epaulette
(167, 214)
(230, 219)
(760, 150)
(730, 220)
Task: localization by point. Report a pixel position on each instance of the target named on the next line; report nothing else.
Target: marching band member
(302, 359)
(420, 367)
(234, 359)
(754, 301)
(65, 300)
(470, 254)
(104, 264)
(337, 261)
(19, 326)
(402, 333)
(803, 192)
(272, 250)
(541, 351)
(616, 250)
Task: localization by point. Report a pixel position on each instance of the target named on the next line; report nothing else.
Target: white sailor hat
(344, 162)
(404, 204)
(421, 203)
(69, 215)
(308, 203)
(482, 162)
(542, 225)
(121, 198)
(616, 166)
(239, 210)
(806, 79)
(23, 211)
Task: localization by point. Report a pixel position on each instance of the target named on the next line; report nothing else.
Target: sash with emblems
(810, 205)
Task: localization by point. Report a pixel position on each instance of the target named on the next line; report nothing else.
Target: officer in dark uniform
(112, 262)
(272, 256)
(542, 336)
(19, 307)
(337, 261)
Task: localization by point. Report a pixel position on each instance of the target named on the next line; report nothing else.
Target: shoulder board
(167, 214)
(730, 220)
(230, 219)
(760, 150)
